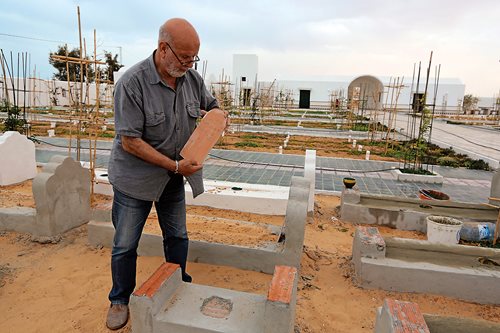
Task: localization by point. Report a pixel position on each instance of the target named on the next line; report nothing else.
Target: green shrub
(247, 144)
(448, 161)
(13, 122)
(416, 171)
(477, 165)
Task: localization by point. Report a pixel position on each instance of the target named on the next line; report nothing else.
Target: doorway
(305, 99)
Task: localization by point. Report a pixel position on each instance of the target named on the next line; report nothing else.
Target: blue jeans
(129, 216)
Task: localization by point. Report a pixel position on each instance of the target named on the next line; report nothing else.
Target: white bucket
(443, 229)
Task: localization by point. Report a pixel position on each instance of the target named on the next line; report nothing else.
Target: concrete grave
(397, 264)
(62, 200)
(285, 251)
(18, 158)
(398, 317)
(407, 214)
(166, 304)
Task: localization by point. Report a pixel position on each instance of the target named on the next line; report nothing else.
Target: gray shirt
(145, 107)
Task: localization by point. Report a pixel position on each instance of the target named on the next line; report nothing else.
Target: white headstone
(310, 174)
(367, 156)
(17, 158)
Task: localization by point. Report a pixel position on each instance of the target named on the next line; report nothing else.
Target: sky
(294, 40)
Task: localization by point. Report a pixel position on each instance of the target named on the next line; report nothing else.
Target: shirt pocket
(154, 126)
(193, 109)
(153, 118)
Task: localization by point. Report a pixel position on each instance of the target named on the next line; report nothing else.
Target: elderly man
(157, 102)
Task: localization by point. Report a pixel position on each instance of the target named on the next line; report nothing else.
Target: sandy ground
(63, 286)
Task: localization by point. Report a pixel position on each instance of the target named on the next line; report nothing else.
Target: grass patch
(248, 144)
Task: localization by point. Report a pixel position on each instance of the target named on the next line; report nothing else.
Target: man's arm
(140, 148)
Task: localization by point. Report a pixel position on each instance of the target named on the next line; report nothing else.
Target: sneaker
(117, 316)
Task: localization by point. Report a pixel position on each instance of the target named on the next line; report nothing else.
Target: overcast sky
(296, 40)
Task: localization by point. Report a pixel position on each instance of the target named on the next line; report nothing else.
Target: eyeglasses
(183, 63)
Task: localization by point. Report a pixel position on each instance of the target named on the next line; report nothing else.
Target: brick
(151, 286)
(405, 317)
(281, 288)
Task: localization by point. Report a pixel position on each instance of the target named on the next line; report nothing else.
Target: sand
(63, 286)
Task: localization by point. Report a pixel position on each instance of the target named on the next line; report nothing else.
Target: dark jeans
(129, 216)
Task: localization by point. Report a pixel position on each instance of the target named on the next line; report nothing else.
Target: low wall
(407, 214)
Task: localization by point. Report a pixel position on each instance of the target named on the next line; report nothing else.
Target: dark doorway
(246, 96)
(305, 99)
(418, 102)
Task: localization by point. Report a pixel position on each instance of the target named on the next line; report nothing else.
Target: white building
(374, 92)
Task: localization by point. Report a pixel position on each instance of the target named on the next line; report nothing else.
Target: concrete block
(62, 196)
(18, 158)
(310, 174)
(400, 317)
(350, 195)
(367, 243)
(19, 219)
(281, 298)
(166, 304)
(147, 301)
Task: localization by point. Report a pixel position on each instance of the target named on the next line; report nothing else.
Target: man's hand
(188, 167)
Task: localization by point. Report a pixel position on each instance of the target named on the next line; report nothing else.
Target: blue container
(477, 231)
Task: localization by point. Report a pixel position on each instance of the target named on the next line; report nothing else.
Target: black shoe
(186, 277)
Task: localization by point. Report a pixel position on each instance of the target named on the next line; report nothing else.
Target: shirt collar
(154, 75)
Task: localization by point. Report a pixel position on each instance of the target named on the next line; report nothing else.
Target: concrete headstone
(62, 196)
(310, 174)
(18, 158)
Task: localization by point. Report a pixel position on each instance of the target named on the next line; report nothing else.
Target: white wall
(321, 90)
(49, 93)
(247, 66)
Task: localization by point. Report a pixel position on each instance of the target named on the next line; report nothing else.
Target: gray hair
(163, 35)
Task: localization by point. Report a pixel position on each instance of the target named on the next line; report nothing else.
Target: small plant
(448, 161)
(247, 144)
(417, 171)
(13, 122)
(477, 165)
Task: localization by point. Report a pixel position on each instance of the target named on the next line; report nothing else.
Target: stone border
(286, 251)
(409, 265)
(409, 177)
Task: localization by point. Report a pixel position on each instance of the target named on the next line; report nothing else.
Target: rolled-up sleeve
(129, 114)
(208, 102)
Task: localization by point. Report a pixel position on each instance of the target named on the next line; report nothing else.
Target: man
(157, 102)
